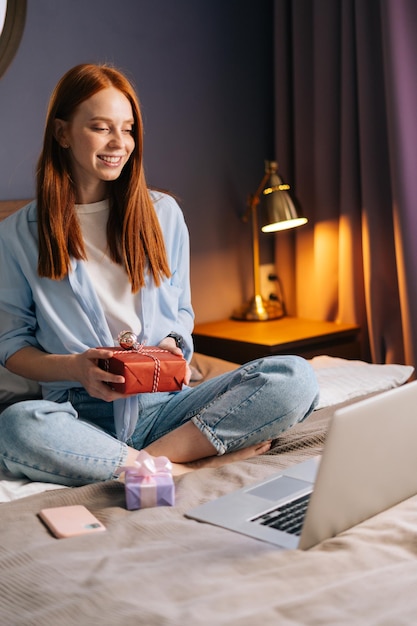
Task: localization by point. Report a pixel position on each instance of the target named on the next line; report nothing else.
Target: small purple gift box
(149, 483)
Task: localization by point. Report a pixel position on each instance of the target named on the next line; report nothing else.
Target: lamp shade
(281, 212)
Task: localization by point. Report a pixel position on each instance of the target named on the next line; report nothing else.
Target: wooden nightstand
(241, 341)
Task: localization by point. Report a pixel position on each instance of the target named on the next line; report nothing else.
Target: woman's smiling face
(100, 141)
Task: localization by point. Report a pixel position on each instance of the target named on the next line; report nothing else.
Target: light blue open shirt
(66, 317)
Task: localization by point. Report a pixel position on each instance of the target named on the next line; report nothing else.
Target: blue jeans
(74, 443)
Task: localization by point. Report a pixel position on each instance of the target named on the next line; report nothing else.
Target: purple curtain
(346, 140)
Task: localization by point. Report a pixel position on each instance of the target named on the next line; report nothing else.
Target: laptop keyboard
(288, 517)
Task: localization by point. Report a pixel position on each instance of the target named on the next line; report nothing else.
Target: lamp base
(259, 310)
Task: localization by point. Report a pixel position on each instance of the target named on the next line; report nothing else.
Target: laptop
(369, 464)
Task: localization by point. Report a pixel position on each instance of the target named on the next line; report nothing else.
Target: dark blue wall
(203, 70)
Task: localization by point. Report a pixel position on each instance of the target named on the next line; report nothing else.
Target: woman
(95, 254)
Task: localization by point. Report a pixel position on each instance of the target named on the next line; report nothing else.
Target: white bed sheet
(339, 380)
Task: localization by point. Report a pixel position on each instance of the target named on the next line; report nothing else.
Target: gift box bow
(147, 466)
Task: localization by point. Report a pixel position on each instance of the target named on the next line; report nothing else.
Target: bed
(156, 566)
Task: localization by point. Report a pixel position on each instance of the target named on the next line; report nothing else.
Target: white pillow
(341, 379)
(15, 388)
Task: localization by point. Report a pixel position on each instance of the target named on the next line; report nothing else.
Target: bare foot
(223, 459)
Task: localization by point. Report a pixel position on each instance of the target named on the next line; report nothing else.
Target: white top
(121, 307)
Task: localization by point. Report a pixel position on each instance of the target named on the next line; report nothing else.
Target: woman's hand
(169, 344)
(85, 369)
(82, 368)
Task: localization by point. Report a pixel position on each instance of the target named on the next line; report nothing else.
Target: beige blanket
(155, 566)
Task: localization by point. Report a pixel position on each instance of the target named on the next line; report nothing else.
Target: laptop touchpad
(278, 488)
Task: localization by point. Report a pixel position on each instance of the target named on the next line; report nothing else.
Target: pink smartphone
(68, 521)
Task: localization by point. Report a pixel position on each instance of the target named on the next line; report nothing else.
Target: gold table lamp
(282, 215)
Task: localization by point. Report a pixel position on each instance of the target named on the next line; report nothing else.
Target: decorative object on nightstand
(281, 215)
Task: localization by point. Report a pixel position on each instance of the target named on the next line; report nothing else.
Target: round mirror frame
(12, 32)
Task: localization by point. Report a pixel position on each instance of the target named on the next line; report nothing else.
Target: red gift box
(147, 369)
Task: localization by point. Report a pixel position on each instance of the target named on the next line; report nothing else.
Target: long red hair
(133, 231)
